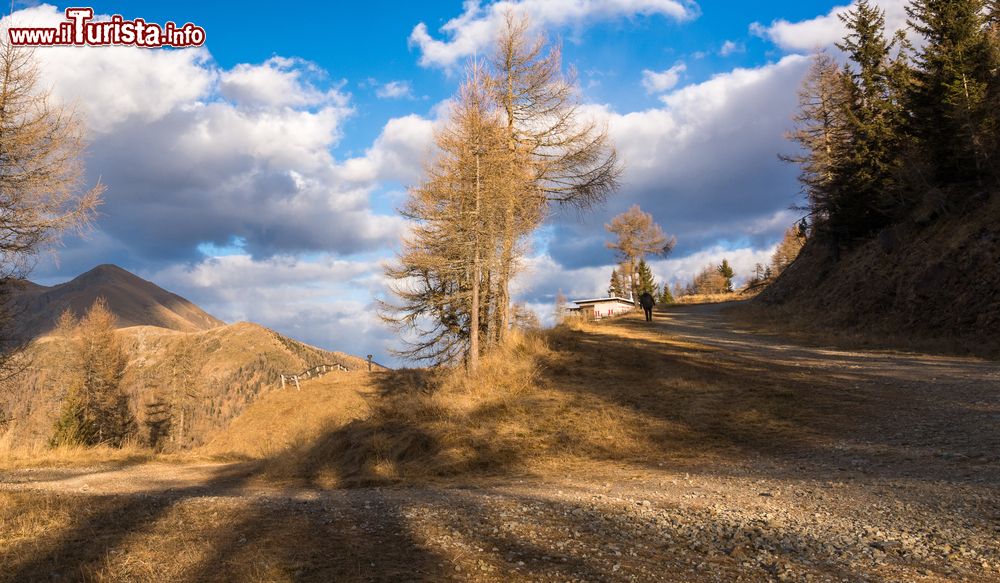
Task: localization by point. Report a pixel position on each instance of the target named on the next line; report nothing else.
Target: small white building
(598, 308)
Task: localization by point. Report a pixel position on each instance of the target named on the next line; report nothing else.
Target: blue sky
(259, 175)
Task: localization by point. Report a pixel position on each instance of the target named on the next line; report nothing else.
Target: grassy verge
(68, 456)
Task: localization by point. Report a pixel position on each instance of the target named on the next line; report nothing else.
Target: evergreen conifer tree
(646, 283)
(951, 115)
(726, 271)
(866, 161)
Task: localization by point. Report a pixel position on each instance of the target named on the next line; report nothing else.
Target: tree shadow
(720, 404)
(907, 416)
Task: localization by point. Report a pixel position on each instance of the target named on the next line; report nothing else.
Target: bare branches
(572, 158)
(42, 191)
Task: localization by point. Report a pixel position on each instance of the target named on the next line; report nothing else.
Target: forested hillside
(899, 164)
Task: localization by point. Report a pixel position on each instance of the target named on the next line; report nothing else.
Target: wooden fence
(311, 373)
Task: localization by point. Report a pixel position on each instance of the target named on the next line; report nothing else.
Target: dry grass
(292, 418)
(925, 284)
(64, 456)
(709, 298)
(97, 539)
(426, 423)
(613, 391)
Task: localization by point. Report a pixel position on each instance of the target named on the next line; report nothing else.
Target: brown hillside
(931, 282)
(230, 367)
(133, 300)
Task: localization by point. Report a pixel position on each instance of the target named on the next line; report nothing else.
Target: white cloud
(395, 90)
(684, 269)
(278, 82)
(397, 153)
(731, 47)
(112, 84)
(824, 31)
(658, 82)
(704, 164)
(324, 301)
(475, 28)
(192, 153)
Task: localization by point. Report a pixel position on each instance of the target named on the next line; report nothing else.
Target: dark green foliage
(873, 116)
(646, 282)
(666, 298)
(72, 426)
(617, 286)
(952, 120)
(895, 124)
(726, 271)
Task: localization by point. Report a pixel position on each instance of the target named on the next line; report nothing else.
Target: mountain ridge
(133, 300)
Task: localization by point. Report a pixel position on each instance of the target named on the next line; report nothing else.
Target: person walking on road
(647, 302)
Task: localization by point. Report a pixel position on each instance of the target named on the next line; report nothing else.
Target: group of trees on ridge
(896, 122)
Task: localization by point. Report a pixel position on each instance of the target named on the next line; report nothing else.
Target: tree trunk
(474, 311)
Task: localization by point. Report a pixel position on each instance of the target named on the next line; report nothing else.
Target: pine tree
(446, 277)
(666, 298)
(726, 271)
(874, 116)
(709, 281)
(950, 111)
(647, 283)
(184, 394)
(821, 133)
(615, 288)
(568, 156)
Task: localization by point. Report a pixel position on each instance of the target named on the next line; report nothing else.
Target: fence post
(296, 379)
(282, 381)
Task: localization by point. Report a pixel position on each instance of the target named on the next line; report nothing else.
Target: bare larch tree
(42, 190)
(570, 157)
(636, 236)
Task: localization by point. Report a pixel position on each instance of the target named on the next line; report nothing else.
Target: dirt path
(907, 491)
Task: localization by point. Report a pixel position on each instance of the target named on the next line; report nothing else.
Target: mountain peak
(133, 300)
(109, 268)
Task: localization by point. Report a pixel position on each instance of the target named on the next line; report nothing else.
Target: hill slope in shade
(133, 300)
(929, 280)
(219, 372)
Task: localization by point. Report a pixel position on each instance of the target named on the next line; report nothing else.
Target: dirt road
(894, 475)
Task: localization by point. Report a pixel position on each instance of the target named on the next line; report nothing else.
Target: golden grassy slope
(232, 366)
(611, 392)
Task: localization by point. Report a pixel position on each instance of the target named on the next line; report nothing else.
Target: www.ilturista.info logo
(79, 30)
